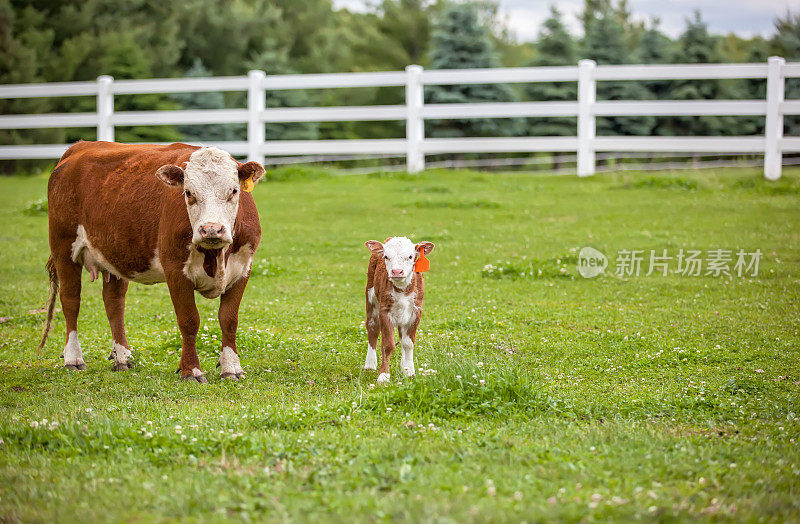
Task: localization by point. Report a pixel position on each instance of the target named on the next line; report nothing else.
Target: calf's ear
(375, 247)
(251, 171)
(425, 247)
(170, 175)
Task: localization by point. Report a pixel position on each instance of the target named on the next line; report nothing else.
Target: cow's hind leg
(114, 290)
(229, 365)
(373, 330)
(69, 277)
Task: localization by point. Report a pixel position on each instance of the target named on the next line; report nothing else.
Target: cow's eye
(386, 258)
(410, 257)
(234, 191)
(188, 193)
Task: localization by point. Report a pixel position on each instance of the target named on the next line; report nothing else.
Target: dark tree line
(66, 40)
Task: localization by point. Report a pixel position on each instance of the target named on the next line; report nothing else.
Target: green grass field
(540, 395)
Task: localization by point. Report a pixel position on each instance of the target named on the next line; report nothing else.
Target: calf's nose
(211, 230)
(397, 272)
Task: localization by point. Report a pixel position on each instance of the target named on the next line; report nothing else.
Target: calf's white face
(211, 184)
(399, 254)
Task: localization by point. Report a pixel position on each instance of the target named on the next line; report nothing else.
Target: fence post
(105, 108)
(256, 104)
(773, 127)
(587, 93)
(415, 126)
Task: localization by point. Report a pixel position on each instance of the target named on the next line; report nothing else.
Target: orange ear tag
(248, 184)
(423, 264)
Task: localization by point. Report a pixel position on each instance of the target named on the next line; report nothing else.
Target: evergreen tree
(273, 60)
(696, 45)
(460, 40)
(209, 100)
(605, 43)
(787, 42)
(554, 46)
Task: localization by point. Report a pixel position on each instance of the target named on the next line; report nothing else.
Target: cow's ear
(251, 171)
(425, 247)
(170, 175)
(375, 247)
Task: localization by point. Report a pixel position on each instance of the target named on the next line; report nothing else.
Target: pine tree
(209, 100)
(554, 46)
(273, 60)
(787, 42)
(605, 43)
(696, 45)
(460, 40)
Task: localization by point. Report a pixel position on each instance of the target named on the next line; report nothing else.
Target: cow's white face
(399, 255)
(211, 182)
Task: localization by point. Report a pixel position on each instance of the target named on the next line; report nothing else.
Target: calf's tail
(51, 301)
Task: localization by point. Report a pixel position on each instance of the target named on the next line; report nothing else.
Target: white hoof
(229, 364)
(73, 356)
(383, 378)
(371, 362)
(408, 371)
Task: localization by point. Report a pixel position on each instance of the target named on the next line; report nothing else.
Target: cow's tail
(51, 301)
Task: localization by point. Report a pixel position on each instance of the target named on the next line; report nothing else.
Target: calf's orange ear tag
(248, 184)
(423, 264)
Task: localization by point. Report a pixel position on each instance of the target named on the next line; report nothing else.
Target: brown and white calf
(148, 214)
(395, 294)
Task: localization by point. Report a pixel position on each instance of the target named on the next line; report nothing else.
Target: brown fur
(112, 190)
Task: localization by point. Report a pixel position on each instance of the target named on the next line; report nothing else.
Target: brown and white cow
(395, 294)
(148, 214)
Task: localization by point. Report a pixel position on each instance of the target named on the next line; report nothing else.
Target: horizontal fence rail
(415, 146)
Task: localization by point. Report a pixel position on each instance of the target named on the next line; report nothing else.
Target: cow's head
(211, 182)
(399, 254)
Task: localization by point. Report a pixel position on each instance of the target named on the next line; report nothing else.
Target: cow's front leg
(229, 365)
(407, 336)
(114, 290)
(387, 346)
(181, 291)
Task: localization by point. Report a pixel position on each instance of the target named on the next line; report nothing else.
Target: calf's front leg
(387, 346)
(181, 291)
(408, 335)
(230, 367)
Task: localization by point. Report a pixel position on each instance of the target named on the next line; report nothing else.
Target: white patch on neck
(236, 267)
(73, 356)
(403, 310)
(91, 258)
(229, 362)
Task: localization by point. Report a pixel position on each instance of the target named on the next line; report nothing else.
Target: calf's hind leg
(69, 278)
(114, 290)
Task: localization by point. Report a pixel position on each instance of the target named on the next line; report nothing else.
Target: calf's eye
(410, 257)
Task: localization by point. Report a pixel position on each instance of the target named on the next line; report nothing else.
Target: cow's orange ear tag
(423, 264)
(248, 184)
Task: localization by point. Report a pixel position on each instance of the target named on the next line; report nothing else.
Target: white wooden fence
(415, 146)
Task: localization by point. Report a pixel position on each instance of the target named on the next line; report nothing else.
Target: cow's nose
(397, 272)
(211, 230)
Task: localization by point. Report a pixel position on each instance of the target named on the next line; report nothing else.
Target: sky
(744, 17)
